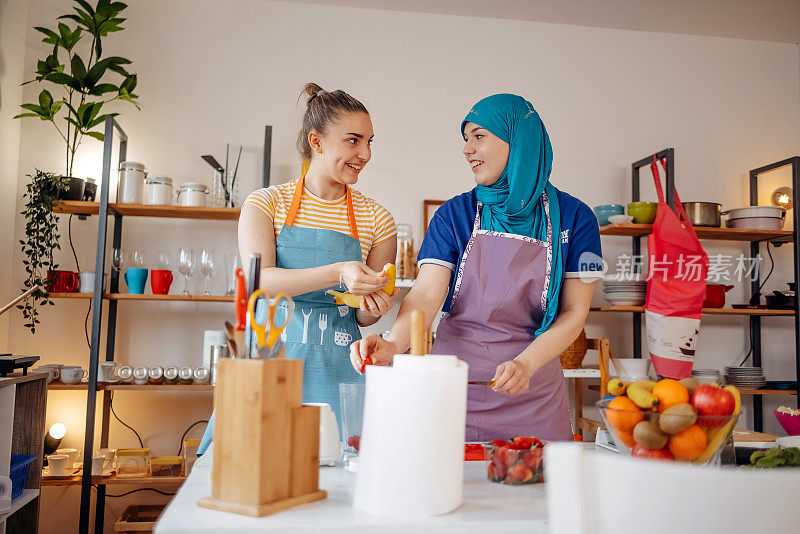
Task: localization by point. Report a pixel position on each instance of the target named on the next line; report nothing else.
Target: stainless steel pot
(703, 213)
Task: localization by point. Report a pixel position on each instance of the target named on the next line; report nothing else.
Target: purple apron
(498, 303)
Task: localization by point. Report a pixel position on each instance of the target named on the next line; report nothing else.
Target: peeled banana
(354, 301)
(617, 387)
(640, 392)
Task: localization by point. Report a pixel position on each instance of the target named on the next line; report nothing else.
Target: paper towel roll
(411, 458)
(5, 494)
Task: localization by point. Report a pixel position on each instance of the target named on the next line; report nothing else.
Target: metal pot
(715, 295)
(703, 213)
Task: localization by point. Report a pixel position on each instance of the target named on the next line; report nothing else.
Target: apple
(655, 454)
(710, 399)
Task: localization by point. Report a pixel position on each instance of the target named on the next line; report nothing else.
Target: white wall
(13, 18)
(214, 72)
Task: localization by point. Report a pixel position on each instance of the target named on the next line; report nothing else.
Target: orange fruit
(626, 437)
(670, 392)
(623, 414)
(688, 444)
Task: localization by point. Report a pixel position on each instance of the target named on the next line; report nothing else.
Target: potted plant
(84, 82)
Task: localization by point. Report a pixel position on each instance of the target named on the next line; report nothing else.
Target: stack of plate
(707, 376)
(621, 292)
(745, 377)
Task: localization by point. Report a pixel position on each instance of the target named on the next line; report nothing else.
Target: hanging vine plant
(41, 239)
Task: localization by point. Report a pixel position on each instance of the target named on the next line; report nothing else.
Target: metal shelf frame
(104, 211)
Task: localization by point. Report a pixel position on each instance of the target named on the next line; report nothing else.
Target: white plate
(788, 441)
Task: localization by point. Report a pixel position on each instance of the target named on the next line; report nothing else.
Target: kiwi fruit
(648, 435)
(677, 418)
(690, 384)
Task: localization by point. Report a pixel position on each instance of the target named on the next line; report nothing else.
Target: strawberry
(519, 474)
(364, 363)
(523, 443)
(354, 441)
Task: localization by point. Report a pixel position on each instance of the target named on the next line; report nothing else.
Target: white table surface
(487, 507)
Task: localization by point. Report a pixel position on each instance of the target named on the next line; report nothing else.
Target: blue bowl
(604, 211)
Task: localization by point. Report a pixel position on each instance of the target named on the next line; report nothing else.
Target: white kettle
(329, 446)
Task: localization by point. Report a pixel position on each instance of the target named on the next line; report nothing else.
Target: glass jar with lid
(406, 261)
(192, 194)
(133, 462)
(131, 182)
(158, 191)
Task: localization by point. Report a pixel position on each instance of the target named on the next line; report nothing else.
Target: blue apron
(320, 332)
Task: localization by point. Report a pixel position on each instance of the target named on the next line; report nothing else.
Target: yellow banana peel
(354, 301)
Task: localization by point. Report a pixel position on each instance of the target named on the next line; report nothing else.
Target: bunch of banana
(354, 301)
(640, 392)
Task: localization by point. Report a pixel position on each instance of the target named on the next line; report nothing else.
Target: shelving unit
(22, 413)
(753, 237)
(104, 209)
(112, 480)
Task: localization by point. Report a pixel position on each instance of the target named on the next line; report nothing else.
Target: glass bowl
(708, 434)
(507, 465)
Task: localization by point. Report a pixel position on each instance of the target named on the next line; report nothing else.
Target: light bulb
(57, 430)
(782, 197)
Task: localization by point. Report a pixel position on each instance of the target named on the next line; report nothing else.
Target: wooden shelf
(146, 296)
(708, 311)
(112, 480)
(58, 386)
(143, 210)
(722, 234)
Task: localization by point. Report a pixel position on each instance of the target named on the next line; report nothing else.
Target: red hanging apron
(676, 285)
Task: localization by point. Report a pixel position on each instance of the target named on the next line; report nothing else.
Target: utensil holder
(266, 443)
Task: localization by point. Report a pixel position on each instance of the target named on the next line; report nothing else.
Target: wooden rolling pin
(419, 343)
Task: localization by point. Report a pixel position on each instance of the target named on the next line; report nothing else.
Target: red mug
(160, 280)
(63, 282)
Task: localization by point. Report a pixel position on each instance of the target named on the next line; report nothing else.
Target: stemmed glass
(118, 259)
(207, 266)
(186, 266)
(164, 258)
(232, 262)
(136, 258)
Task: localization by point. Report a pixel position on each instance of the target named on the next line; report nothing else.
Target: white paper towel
(5, 494)
(411, 458)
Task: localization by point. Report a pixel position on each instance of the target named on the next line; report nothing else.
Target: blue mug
(136, 278)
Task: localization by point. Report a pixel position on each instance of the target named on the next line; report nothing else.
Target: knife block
(266, 443)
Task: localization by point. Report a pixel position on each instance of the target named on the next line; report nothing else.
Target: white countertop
(487, 507)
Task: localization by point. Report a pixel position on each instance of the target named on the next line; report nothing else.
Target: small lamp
(52, 440)
(782, 197)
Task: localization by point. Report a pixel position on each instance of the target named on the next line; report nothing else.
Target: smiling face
(486, 153)
(344, 149)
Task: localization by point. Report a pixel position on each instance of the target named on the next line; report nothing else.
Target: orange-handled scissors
(267, 333)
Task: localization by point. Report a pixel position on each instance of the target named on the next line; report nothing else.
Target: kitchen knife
(489, 383)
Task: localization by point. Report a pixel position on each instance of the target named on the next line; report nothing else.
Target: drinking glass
(186, 266)
(164, 258)
(207, 266)
(118, 259)
(136, 258)
(232, 263)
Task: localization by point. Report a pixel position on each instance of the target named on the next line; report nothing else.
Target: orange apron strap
(351, 215)
(298, 193)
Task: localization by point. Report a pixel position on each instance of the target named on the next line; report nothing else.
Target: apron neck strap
(298, 195)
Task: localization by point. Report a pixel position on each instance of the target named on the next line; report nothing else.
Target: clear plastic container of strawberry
(515, 462)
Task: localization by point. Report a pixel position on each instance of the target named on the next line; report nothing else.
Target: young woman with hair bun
(316, 233)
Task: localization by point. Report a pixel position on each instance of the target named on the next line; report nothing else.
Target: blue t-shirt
(451, 228)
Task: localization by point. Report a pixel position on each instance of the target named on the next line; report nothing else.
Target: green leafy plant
(41, 239)
(84, 81)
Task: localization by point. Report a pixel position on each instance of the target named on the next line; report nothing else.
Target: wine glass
(207, 266)
(232, 263)
(164, 259)
(136, 258)
(186, 266)
(118, 259)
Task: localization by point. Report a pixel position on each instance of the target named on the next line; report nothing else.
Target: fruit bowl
(516, 462)
(789, 422)
(693, 438)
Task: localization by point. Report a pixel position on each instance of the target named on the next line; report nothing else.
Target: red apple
(710, 399)
(657, 454)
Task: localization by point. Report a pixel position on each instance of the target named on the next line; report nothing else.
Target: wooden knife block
(266, 443)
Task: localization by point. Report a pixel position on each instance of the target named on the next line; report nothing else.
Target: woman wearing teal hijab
(515, 262)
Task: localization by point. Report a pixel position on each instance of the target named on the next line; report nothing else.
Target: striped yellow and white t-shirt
(374, 222)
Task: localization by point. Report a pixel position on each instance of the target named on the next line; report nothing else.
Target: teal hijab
(514, 204)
